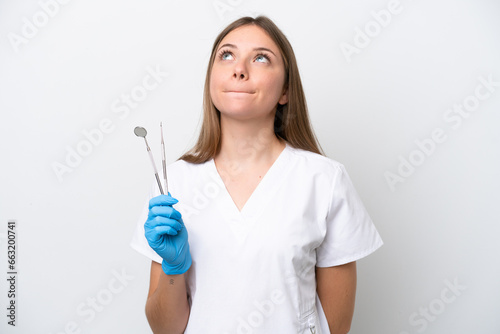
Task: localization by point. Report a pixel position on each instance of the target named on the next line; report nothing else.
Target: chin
(234, 109)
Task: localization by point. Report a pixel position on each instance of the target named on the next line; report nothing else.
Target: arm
(167, 307)
(336, 287)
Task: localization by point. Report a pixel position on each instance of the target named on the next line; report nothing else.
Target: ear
(284, 97)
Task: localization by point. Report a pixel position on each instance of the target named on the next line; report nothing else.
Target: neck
(249, 141)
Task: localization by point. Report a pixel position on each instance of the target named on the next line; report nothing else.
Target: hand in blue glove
(167, 235)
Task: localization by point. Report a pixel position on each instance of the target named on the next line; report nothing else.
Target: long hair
(291, 121)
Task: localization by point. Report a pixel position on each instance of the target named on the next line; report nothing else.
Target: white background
(440, 226)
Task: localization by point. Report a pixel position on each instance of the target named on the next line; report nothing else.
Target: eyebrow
(255, 49)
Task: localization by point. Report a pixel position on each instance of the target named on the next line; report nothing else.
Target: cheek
(274, 85)
(215, 94)
(217, 74)
(213, 84)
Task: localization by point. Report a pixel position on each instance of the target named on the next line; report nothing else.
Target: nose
(240, 76)
(240, 71)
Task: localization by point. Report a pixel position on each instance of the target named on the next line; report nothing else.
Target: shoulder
(186, 174)
(185, 178)
(314, 163)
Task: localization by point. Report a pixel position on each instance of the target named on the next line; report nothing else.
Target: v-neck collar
(260, 195)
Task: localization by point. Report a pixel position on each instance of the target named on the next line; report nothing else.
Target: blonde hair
(291, 121)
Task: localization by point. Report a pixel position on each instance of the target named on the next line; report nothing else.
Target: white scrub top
(254, 271)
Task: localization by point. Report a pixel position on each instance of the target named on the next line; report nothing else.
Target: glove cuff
(177, 269)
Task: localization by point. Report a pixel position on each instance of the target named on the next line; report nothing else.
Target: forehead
(251, 36)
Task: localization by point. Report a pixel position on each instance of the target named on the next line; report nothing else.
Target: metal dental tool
(163, 159)
(141, 132)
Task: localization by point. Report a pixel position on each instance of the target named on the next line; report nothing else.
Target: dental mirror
(141, 132)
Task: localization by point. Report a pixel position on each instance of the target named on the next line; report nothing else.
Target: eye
(262, 58)
(225, 55)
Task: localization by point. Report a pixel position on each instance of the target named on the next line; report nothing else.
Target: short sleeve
(350, 232)
(139, 242)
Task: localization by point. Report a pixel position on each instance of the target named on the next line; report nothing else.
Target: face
(248, 75)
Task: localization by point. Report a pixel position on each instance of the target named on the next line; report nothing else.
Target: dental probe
(163, 159)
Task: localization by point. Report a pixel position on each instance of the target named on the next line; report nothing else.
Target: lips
(238, 91)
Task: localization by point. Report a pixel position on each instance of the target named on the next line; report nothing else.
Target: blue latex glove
(167, 235)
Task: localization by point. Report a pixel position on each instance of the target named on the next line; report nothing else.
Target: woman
(272, 223)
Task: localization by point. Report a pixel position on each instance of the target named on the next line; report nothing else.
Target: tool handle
(155, 170)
